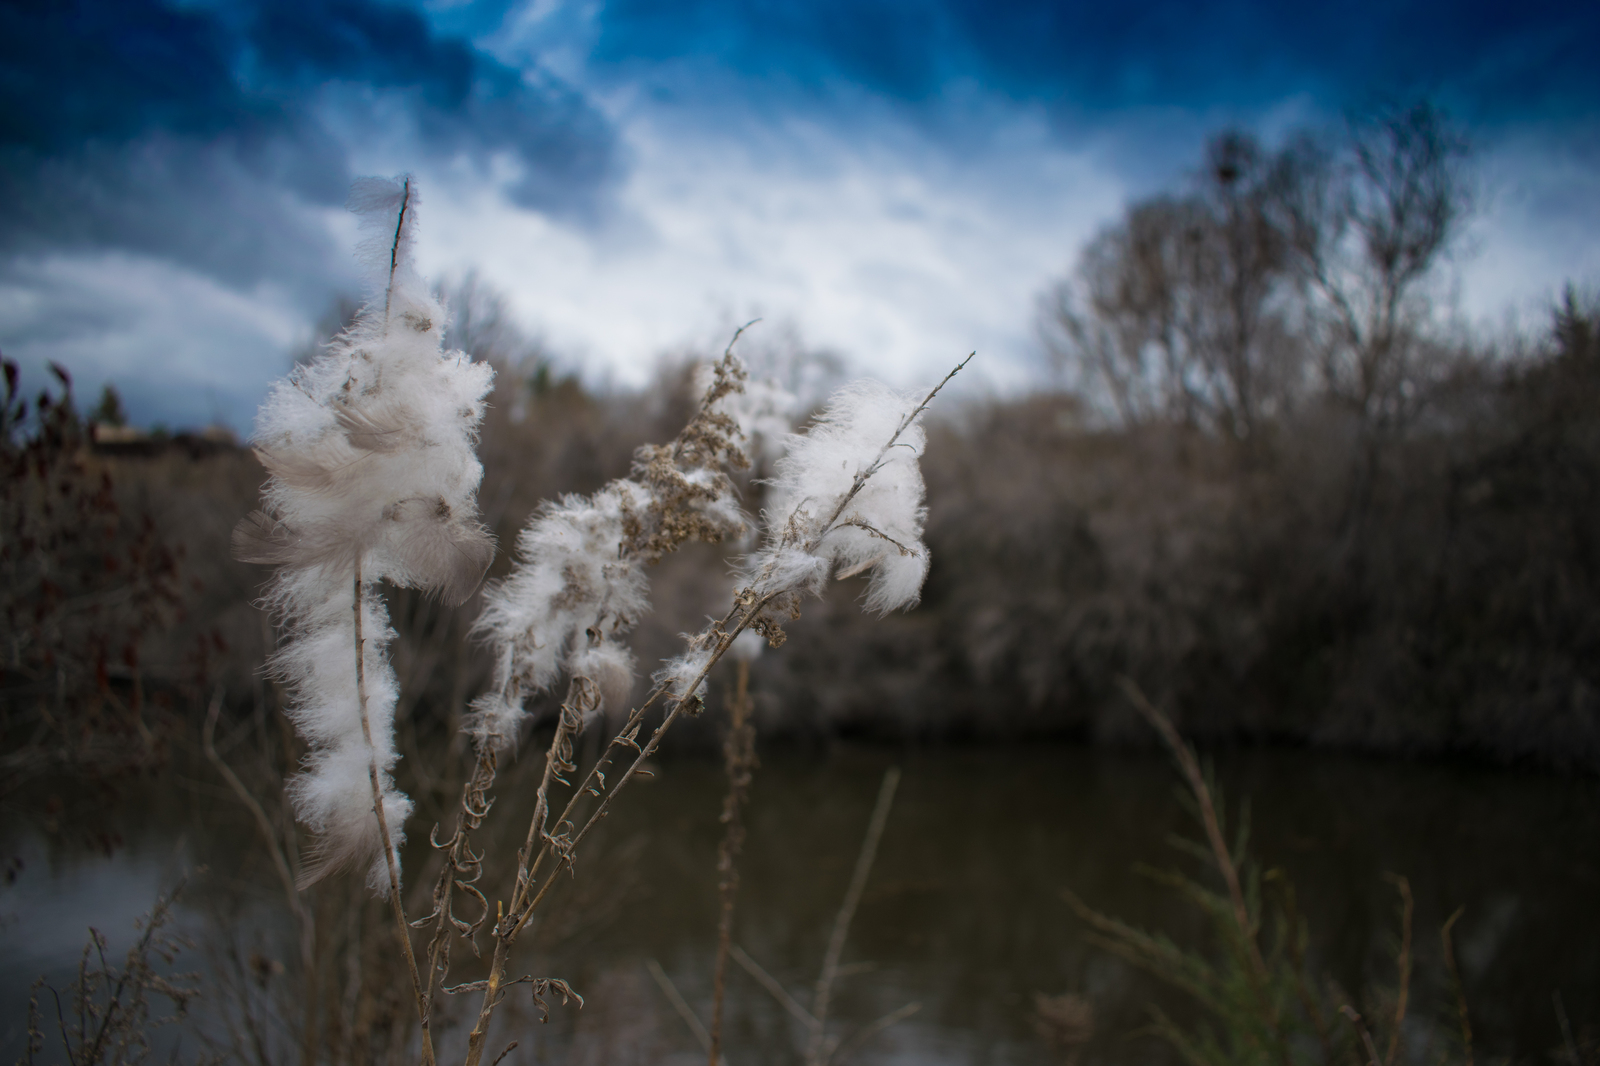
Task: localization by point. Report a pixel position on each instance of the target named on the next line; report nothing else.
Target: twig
(739, 752)
(857, 1041)
(303, 916)
(905, 423)
(557, 760)
(1189, 766)
(397, 905)
(1455, 978)
(1361, 1031)
(841, 924)
(1567, 1043)
(461, 869)
(771, 984)
(1404, 963)
(678, 1003)
(394, 249)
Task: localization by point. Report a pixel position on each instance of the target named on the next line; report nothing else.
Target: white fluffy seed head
(371, 448)
(683, 677)
(569, 579)
(579, 582)
(847, 498)
(372, 445)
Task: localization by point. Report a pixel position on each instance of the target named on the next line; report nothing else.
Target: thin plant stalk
(816, 1049)
(1448, 940)
(1404, 963)
(1189, 766)
(297, 907)
(739, 752)
(396, 904)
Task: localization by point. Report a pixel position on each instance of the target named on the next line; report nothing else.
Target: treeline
(1275, 487)
(1270, 484)
(1459, 613)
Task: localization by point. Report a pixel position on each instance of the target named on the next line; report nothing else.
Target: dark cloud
(195, 133)
(1493, 59)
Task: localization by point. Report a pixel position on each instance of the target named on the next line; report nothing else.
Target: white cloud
(181, 347)
(881, 245)
(1537, 228)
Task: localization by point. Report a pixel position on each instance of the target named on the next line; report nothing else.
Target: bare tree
(1178, 310)
(1366, 222)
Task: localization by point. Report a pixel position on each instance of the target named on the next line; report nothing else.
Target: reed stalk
(396, 904)
(739, 762)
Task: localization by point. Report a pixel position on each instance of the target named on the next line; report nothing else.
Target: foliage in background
(84, 585)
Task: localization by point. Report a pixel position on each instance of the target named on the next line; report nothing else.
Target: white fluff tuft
(579, 581)
(847, 498)
(570, 581)
(371, 452)
(372, 445)
(747, 647)
(683, 676)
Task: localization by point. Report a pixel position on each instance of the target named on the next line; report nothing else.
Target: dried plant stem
(867, 1032)
(771, 984)
(816, 1049)
(679, 1004)
(303, 916)
(1297, 970)
(1365, 1037)
(557, 760)
(1404, 962)
(509, 921)
(460, 870)
(396, 904)
(739, 755)
(1189, 766)
(1455, 978)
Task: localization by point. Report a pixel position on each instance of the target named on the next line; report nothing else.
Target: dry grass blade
(1465, 1019)
(303, 916)
(679, 1004)
(1404, 961)
(841, 924)
(859, 1040)
(739, 759)
(1361, 1031)
(773, 986)
(1189, 765)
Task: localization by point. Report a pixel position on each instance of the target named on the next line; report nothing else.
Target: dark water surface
(963, 913)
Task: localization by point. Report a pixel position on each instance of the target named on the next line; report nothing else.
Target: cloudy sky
(895, 181)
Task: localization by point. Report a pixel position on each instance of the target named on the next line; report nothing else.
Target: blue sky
(892, 181)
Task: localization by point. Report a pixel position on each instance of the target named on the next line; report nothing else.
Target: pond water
(963, 913)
